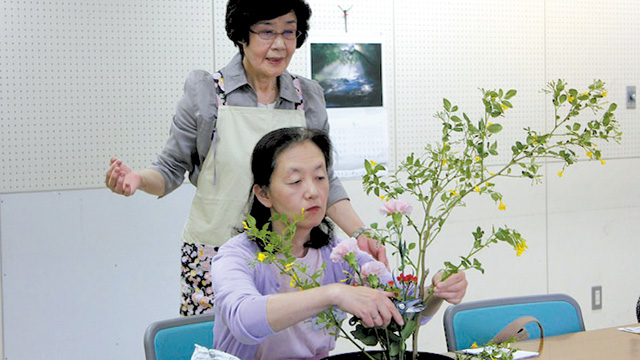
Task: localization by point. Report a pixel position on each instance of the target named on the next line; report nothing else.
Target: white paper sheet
(519, 354)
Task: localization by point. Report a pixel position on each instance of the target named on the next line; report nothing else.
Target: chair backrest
(175, 339)
(480, 321)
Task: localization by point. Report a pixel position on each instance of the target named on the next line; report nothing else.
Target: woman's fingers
(453, 289)
(120, 179)
(372, 306)
(384, 311)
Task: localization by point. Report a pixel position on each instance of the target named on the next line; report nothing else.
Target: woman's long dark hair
(263, 163)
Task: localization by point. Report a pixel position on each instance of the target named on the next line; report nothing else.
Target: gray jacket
(196, 113)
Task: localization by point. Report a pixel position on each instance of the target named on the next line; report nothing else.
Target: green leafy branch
(448, 172)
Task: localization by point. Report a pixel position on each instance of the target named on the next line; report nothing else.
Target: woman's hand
(121, 179)
(372, 306)
(453, 289)
(373, 247)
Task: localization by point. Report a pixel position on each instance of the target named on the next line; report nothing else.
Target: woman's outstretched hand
(121, 179)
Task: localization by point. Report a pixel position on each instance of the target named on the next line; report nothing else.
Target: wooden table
(603, 344)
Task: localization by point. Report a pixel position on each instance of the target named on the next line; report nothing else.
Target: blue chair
(175, 339)
(480, 321)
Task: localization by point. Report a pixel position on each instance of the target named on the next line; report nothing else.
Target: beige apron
(225, 179)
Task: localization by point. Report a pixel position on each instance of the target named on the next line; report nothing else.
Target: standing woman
(217, 123)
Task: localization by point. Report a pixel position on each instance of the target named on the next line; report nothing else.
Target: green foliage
(449, 171)
(492, 351)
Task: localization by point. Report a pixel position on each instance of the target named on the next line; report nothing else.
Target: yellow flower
(474, 345)
(571, 98)
(502, 206)
(476, 159)
(521, 247)
(373, 163)
(477, 189)
(302, 212)
(589, 154)
(586, 93)
(193, 273)
(444, 162)
(294, 279)
(453, 192)
(604, 94)
(560, 173)
(288, 266)
(261, 257)
(382, 197)
(504, 107)
(246, 227)
(602, 162)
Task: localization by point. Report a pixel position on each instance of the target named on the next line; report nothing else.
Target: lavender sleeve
(240, 307)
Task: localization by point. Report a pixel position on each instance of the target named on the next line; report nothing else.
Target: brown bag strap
(516, 329)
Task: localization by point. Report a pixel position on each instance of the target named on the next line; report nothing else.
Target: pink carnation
(373, 267)
(345, 247)
(396, 206)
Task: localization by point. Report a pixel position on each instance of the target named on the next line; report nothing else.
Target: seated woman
(258, 315)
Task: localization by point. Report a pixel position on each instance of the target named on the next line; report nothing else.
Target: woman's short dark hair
(263, 164)
(242, 14)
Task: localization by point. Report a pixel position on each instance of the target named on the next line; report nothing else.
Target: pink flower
(373, 267)
(345, 247)
(396, 206)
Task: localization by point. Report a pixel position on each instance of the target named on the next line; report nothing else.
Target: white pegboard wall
(451, 49)
(598, 40)
(84, 80)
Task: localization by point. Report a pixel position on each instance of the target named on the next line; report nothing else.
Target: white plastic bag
(202, 353)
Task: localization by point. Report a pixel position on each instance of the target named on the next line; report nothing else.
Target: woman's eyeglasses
(271, 35)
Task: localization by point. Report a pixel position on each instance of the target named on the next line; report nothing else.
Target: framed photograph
(349, 72)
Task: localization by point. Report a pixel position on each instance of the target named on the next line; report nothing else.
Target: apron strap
(218, 80)
(296, 85)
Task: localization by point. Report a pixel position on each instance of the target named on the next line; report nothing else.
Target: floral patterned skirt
(195, 282)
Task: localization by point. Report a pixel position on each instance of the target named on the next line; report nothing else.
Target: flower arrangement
(438, 182)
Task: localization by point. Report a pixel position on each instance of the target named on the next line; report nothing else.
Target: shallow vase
(360, 356)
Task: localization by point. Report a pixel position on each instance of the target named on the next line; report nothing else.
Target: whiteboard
(85, 272)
